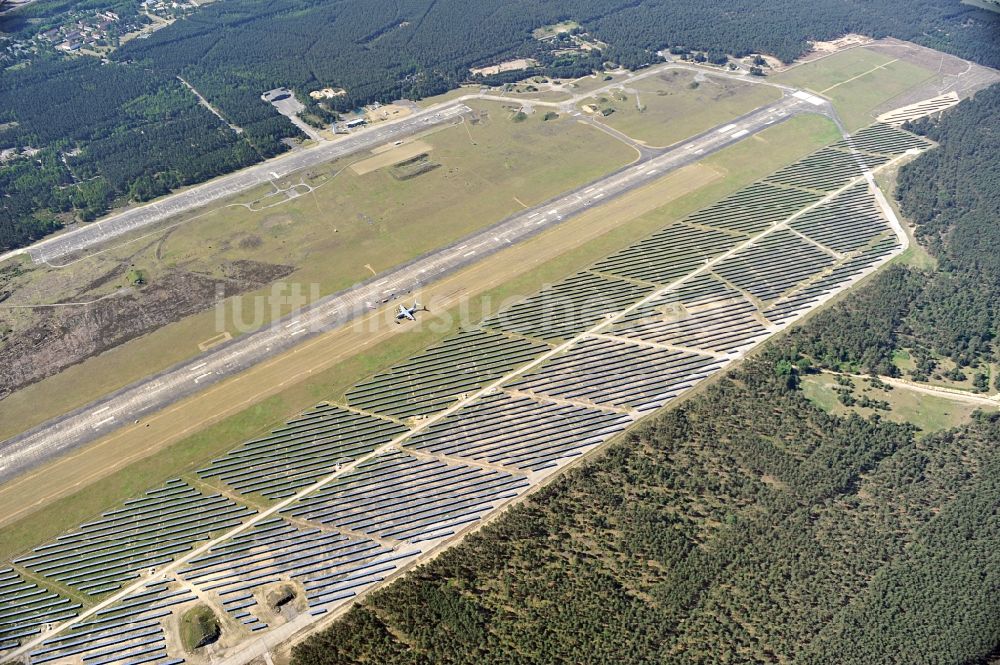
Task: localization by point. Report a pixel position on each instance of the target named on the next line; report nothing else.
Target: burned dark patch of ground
(64, 336)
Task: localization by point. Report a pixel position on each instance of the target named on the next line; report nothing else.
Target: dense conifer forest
(126, 130)
(748, 525)
(952, 195)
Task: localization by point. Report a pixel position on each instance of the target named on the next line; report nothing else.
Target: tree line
(82, 110)
(745, 525)
(952, 194)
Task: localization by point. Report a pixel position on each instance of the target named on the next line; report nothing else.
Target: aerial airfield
(272, 476)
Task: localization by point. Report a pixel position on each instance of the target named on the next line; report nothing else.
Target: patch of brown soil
(64, 336)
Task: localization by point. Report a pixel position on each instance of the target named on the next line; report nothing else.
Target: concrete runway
(65, 433)
(256, 647)
(62, 245)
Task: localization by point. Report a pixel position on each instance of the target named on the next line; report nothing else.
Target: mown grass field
(666, 108)
(857, 81)
(931, 413)
(191, 433)
(487, 171)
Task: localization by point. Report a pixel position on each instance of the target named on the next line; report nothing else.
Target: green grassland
(943, 377)
(554, 29)
(669, 107)
(822, 73)
(454, 93)
(931, 413)
(741, 163)
(594, 81)
(488, 170)
(198, 627)
(855, 100)
(857, 81)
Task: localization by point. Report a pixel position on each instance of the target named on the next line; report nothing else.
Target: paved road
(56, 248)
(99, 418)
(258, 646)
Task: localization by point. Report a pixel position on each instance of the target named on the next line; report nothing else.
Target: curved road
(103, 416)
(112, 226)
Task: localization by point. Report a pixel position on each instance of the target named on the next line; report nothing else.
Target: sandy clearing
(89, 464)
(392, 156)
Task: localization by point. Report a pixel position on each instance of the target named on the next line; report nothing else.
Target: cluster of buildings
(93, 29)
(167, 9)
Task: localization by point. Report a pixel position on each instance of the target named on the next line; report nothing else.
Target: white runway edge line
(171, 568)
(61, 434)
(104, 422)
(173, 204)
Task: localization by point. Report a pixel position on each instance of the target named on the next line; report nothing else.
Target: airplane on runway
(407, 313)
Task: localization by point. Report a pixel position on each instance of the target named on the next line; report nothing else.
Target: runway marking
(214, 341)
(742, 132)
(727, 128)
(199, 366)
(104, 422)
(323, 482)
(812, 99)
(472, 253)
(197, 379)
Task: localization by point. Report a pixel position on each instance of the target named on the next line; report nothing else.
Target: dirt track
(68, 474)
(67, 333)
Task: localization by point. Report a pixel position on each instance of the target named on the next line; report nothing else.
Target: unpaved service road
(62, 245)
(97, 419)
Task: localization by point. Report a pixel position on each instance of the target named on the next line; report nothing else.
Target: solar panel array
(145, 533)
(568, 307)
(407, 498)
(883, 139)
(723, 322)
(131, 632)
(301, 452)
(618, 373)
(519, 432)
(391, 485)
(669, 254)
(847, 222)
(434, 379)
(825, 170)
(26, 608)
(330, 565)
(774, 264)
(754, 208)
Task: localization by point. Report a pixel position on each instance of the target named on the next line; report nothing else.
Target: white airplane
(407, 313)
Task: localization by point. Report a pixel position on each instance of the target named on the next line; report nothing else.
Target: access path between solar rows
(766, 256)
(60, 435)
